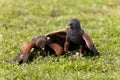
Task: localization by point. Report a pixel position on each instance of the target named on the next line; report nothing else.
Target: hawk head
(74, 23)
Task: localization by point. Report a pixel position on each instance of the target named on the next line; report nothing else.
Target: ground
(20, 20)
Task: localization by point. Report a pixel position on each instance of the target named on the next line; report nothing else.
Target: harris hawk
(57, 43)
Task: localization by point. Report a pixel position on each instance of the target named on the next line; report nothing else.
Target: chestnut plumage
(54, 43)
(37, 43)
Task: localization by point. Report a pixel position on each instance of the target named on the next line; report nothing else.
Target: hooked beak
(43, 49)
(70, 24)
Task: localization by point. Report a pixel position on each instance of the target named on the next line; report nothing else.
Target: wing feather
(90, 44)
(58, 34)
(88, 40)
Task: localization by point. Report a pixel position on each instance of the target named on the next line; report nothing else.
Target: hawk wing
(58, 34)
(89, 44)
(56, 41)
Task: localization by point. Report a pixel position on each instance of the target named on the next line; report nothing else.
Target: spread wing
(57, 40)
(58, 34)
(24, 53)
(90, 44)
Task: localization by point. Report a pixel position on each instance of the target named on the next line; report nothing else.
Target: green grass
(20, 20)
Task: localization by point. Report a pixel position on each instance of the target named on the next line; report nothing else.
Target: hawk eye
(70, 24)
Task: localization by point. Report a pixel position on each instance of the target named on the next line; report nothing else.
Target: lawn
(21, 20)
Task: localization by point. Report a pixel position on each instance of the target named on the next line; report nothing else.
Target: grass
(20, 20)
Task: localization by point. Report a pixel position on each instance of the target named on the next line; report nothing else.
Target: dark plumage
(75, 35)
(54, 43)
